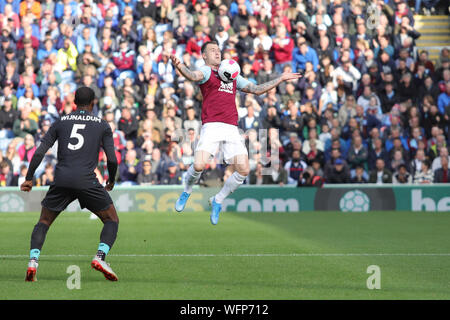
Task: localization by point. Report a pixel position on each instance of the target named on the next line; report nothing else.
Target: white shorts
(215, 135)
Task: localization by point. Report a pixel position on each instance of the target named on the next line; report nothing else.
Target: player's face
(212, 55)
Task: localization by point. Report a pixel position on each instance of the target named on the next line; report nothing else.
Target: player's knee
(109, 214)
(47, 216)
(114, 219)
(112, 216)
(45, 221)
(199, 167)
(243, 171)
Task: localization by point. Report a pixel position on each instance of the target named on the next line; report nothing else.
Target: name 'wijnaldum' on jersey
(78, 117)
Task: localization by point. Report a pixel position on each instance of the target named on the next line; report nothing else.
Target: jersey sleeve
(206, 74)
(241, 82)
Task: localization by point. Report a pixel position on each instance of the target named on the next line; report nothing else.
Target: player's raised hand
(109, 185)
(174, 59)
(26, 186)
(290, 76)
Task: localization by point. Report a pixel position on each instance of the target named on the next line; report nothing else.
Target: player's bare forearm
(266, 86)
(185, 71)
(262, 88)
(189, 74)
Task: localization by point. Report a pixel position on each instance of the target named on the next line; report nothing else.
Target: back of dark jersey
(80, 136)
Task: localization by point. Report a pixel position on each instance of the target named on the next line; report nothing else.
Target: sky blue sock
(35, 253)
(103, 247)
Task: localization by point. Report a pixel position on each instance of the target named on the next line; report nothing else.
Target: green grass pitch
(305, 255)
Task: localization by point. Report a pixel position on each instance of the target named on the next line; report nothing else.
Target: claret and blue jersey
(219, 103)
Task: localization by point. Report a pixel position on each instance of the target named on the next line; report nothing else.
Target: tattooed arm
(185, 71)
(266, 86)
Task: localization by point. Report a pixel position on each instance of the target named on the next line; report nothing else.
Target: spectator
(302, 54)
(278, 175)
(347, 111)
(128, 124)
(444, 99)
(282, 48)
(195, 43)
(267, 73)
(429, 88)
(85, 39)
(368, 99)
(24, 124)
(338, 174)
(398, 146)
(7, 178)
(87, 64)
(357, 155)
(402, 176)
(295, 167)
(417, 162)
(314, 153)
(244, 46)
(27, 149)
(255, 176)
(380, 175)
(10, 74)
(346, 75)
(66, 58)
(146, 8)
(30, 6)
(437, 164)
(442, 175)
(291, 94)
(292, 122)
(22, 175)
(250, 121)
(388, 97)
(191, 121)
(12, 157)
(48, 177)
(124, 57)
(172, 175)
(212, 175)
(425, 175)
(311, 137)
(29, 99)
(310, 179)
(359, 175)
(271, 120)
(407, 90)
(147, 177)
(130, 168)
(8, 116)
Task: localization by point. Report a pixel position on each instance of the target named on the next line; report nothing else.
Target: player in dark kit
(80, 135)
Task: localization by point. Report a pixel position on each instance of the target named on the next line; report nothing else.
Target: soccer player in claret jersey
(219, 119)
(80, 135)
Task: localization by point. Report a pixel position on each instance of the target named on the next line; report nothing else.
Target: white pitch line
(6, 256)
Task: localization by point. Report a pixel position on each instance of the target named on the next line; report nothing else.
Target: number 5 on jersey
(76, 135)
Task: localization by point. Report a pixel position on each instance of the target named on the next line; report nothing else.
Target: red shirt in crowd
(283, 51)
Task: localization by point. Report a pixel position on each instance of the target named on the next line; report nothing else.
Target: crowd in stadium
(368, 109)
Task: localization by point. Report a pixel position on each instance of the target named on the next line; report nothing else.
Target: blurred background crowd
(368, 109)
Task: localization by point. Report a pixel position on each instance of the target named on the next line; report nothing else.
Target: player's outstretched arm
(185, 71)
(262, 88)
